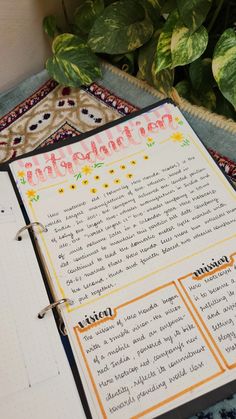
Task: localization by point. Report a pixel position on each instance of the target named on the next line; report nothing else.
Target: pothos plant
(186, 44)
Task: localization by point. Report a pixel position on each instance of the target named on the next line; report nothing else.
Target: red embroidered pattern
(27, 104)
(121, 105)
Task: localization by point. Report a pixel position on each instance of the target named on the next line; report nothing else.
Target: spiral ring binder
(27, 227)
(42, 313)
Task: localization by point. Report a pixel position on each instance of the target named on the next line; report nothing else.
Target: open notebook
(139, 240)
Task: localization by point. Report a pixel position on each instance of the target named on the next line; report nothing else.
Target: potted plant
(186, 45)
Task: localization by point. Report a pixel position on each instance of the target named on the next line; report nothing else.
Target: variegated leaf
(154, 5)
(200, 73)
(146, 57)
(224, 65)
(202, 80)
(193, 12)
(224, 107)
(50, 26)
(72, 63)
(168, 6)
(122, 27)
(163, 80)
(184, 87)
(87, 13)
(208, 99)
(163, 54)
(187, 46)
(153, 8)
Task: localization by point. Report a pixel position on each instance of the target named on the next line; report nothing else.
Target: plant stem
(214, 17)
(65, 12)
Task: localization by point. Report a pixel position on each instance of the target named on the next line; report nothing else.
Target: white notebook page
(35, 376)
(141, 236)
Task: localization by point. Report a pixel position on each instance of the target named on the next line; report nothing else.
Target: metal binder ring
(27, 227)
(42, 313)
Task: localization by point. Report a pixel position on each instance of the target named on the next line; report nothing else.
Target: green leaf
(168, 6)
(224, 107)
(224, 64)
(193, 12)
(78, 32)
(125, 61)
(152, 6)
(108, 2)
(50, 26)
(200, 73)
(72, 63)
(146, 57)
(186, 46)
(202, 80)
(163, 54)
(99, 164)
(184, 89)
(87, 13)
(163, 81)
(153, 9)
(122, 27)
(208, 99)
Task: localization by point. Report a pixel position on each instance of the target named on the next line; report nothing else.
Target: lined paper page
(35, 377)
(141, 236)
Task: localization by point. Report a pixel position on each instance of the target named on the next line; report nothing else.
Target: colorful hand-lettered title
(66, 161)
